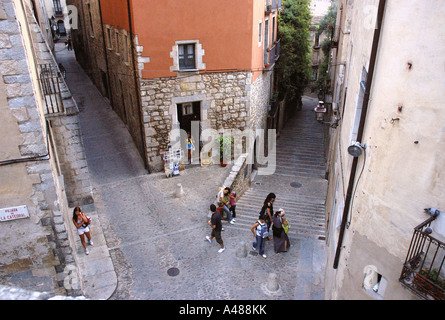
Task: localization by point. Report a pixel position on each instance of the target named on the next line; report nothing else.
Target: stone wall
(35, 251)
(260, 100)
(224, 105)
(239, 177)
(88, 42)
(124, 92)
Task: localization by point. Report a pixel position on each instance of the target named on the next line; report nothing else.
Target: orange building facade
(209, 61)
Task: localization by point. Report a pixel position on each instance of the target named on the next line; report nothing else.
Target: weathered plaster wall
(404, 135)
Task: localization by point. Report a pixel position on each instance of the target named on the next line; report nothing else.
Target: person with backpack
(260, 232)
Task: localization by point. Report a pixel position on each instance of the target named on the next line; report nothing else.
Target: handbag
(89, 221)
(286, 227)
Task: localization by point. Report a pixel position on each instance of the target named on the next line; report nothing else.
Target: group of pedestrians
(261, 229)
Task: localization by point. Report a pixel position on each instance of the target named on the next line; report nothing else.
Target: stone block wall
(35, 249)
(260, 100)
(239, 177)
(124, 90)
(224, 105)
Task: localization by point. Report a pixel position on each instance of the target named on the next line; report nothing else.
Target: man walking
(215, 223)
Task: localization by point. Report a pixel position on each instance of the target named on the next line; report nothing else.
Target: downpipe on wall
(372, 63)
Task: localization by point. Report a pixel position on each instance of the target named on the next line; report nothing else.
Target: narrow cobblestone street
(149, 231)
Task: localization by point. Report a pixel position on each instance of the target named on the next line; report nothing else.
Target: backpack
(262, 228)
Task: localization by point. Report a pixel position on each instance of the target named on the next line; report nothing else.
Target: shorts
(81, 230)
(217, 235)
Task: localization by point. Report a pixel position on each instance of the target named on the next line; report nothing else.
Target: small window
(186, 56)
(187, 109)
(125, 48)
(90, 16)
(109, 39)
(117, 43)
(373, 283)
(260, 32)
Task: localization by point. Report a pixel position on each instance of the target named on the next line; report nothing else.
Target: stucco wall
(403, 173)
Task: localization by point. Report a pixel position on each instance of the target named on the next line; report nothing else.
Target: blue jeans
(229, 215)
(259, 242)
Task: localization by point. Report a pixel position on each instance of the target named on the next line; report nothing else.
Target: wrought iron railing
(271, 56)
(273, 5)
(50, 80)
(424, 271)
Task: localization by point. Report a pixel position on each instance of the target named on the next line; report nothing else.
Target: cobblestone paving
(149, 231)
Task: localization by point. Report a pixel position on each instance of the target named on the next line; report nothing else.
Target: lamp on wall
(356, 149)
(320, 111)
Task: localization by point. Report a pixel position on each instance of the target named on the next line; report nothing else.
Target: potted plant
(424, 281)
(225, 149)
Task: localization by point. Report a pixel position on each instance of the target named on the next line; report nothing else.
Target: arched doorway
(61, 27)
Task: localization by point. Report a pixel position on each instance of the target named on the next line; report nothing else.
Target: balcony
(273, 5)
(50, 79)
(271, 56)
(424, 271)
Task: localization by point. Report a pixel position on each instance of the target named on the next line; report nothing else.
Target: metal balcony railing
(271, 56)
(273, 5)
(424, 271)
(58, 10)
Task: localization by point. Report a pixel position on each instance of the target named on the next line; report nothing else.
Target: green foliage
(294, 64)
(434, 276)
(329, 19)
(225, 147)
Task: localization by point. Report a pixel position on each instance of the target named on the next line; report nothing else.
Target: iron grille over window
(49, 77)
(424, 271)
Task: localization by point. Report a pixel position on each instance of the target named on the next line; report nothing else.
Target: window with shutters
(186, 56)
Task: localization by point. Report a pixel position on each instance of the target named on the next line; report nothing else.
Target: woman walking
(259, 230)
(267, 210)
(280, 238)
(81, 222)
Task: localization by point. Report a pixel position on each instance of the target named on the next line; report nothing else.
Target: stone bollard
(272, 283)
(179, 191)
(242, 250)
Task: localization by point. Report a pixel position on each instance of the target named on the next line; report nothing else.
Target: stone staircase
(305, 215)
(298, 180)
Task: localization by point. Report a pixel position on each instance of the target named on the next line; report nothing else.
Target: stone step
(294, 233)
(286, 205)
(303, 198)
(297, 215)
(260, 196)
(296, 227)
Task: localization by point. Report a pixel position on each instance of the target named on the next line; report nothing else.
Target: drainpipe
(375, 46)
(136, 84)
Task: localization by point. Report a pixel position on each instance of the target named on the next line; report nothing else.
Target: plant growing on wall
(225, 148)
(326, 26)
